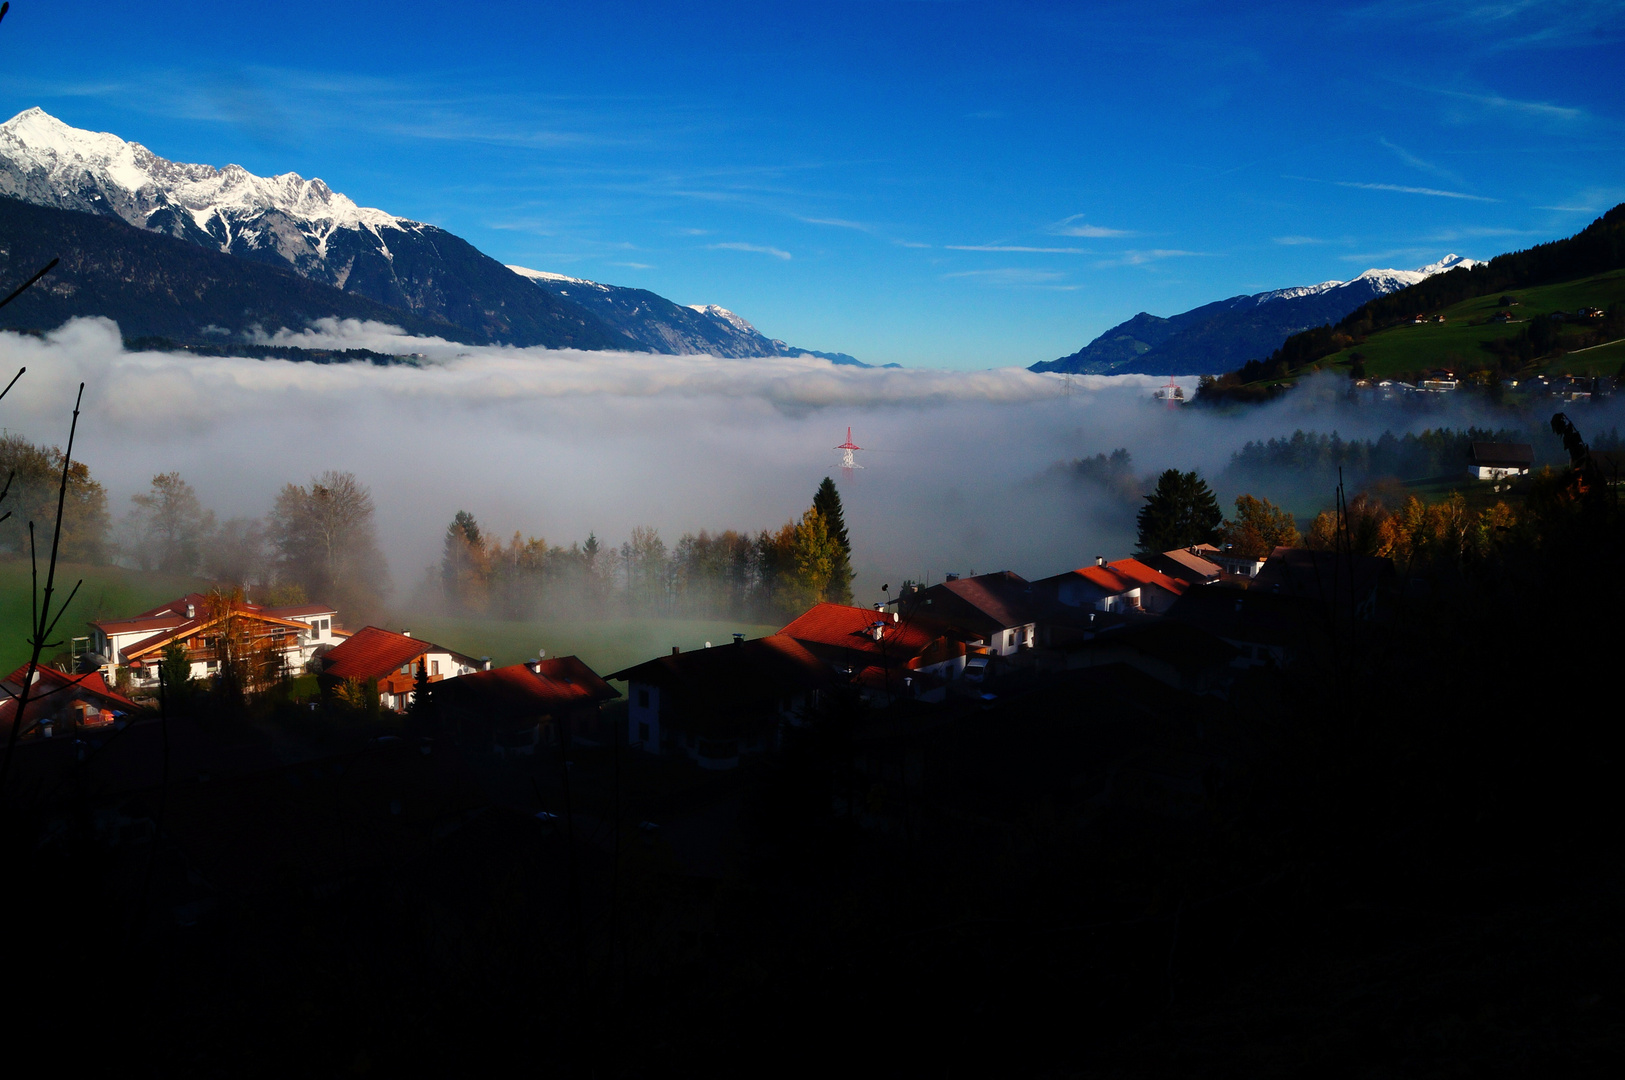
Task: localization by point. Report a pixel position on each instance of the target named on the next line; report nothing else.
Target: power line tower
(848, 462)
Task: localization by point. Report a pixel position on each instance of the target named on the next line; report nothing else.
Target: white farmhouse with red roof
(138, 643)
(393, 659)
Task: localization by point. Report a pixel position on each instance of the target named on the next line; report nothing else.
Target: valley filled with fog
(959, 468)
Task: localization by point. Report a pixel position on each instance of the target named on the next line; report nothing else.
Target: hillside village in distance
(1183, 623)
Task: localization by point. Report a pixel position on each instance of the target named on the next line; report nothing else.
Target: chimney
(880, 607)
(675, 651)
(876, 630)
(485, 663)
(405, 632)
(191, 610)
(1100, 560)
(739, 639)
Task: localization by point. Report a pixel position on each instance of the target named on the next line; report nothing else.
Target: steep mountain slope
(1222, 335)
(159, 286)
(659, 325)
(291, 222)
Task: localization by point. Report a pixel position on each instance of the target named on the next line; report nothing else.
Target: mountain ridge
(1221, 335)
(431, 276)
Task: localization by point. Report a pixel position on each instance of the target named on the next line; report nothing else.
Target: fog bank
(558, 443)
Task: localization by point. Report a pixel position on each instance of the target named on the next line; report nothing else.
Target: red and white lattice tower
(848, 462)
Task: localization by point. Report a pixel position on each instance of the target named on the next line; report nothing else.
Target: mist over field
(556, 444)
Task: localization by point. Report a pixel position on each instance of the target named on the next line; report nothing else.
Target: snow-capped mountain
(327, 238)
(1221, 336)
(287, 221)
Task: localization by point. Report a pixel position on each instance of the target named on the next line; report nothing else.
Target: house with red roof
(883, 653)
(998, 611)
(60, 703)
(393, 659)
(718, 703)
(196, 621)
(1124, 585)
(512, 709)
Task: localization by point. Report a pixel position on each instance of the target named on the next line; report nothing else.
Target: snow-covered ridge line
(55, 164)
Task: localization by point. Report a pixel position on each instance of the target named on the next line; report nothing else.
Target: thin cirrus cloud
(1013, 275)
(1296, 241)
(1403, 189)
(1542, 109)
(759, 249)
(1141, 258)
(1019, 248)
(1406, 189)
(1419, 163)
(1076, 226)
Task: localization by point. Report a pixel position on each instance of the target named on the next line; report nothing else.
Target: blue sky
(950, 184)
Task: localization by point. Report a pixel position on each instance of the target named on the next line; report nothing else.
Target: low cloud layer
(558, 444)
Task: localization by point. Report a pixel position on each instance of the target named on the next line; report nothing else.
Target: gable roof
(986, 603)
(373, 652)
(294, 611)
(837, 630)
(1126, 575)
(527, 690)
(203, 621)
(53, 689)
(759, 668)
(1187, 566)
(1141, 574)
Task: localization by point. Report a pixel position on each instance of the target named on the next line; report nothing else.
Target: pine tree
(827, 501)
(1179, 513)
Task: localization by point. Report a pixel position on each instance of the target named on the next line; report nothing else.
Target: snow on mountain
(47, 162)
(1218, 337)
(722, 314)
(290, 221)
(543, 275)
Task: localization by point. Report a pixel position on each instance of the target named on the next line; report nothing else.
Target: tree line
(769, 575)
(316, 542)
(1411, 456)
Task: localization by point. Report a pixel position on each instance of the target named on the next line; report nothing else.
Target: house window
(643, 699)
(434, 667)
(1010, 638)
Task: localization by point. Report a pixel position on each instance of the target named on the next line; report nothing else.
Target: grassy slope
(1457, 341)
(108, 592)
(604, 646)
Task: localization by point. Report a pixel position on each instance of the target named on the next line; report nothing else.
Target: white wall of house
(1495, 472)
(643, 717)
(1012, 639)
(1127, 600)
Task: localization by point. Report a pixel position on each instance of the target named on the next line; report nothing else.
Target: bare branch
(19, 290)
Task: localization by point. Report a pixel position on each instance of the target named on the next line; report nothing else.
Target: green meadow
(111, 592)
(107, 592)
(1459, 340)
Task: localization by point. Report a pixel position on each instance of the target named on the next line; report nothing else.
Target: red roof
(851, 629)
(1138, 572)
(53, 689)
(1128, 574)
(559, 685)
(373, 653)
